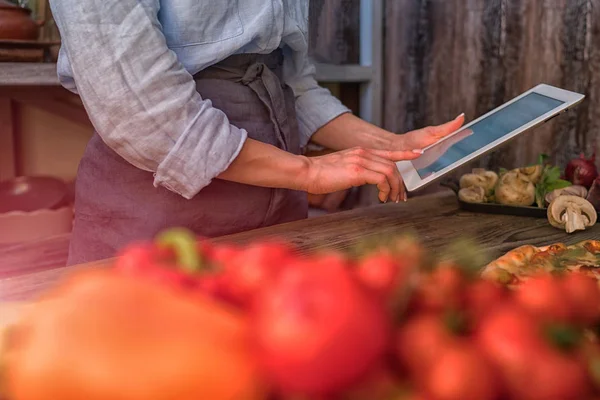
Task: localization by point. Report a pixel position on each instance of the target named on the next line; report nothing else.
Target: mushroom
(480, 177)
(534, 173)
(473, 194)
(574, 190)
(515, 189)
(571, 213)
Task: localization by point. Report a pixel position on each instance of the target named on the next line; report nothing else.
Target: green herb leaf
(540, 195)
(549, 181)
(552, 175)
(543, 158)
(558, 184)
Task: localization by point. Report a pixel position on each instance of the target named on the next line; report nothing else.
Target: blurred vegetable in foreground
(182, 318)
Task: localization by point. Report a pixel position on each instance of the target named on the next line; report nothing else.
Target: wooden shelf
(28, 74)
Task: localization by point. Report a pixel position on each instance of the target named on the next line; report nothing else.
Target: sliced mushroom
(473, 194)
(480, 177)
(514, 188)
(571, 213)
(533, 173)
(574, 190)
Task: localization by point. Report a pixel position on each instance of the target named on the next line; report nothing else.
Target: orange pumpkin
(101, 336)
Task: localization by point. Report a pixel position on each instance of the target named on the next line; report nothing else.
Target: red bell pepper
(172, 259)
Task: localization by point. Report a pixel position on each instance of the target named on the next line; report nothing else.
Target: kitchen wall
(444, 57)
(49, 144)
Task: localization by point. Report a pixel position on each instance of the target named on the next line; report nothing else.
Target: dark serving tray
(492, 208)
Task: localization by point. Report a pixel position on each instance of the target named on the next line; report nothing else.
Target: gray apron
(116, 203)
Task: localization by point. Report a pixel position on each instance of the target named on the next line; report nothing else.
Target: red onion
(582, 171)
(594, 194)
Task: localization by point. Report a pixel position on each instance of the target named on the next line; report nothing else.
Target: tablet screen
(484, 132)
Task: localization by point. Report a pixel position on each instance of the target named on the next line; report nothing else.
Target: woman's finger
(391, 173)
(398, 155)
(369, 177)
(389, 168)
(440, 131)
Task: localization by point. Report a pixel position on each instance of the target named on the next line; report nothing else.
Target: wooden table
(436, 219)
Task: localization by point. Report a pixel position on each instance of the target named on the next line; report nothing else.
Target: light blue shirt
(132, 62)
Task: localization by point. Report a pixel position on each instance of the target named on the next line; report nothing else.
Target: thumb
(440, 131)
(398, 155)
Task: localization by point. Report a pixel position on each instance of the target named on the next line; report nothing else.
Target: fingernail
(461, 115)
(398, 199)
(417, 151)
(405, 197)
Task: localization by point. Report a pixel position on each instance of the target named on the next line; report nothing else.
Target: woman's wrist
(261, 164)
(299, 171)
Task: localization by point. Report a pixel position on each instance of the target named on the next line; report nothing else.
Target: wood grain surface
(444, 57)
(435, 219)
(334, 31)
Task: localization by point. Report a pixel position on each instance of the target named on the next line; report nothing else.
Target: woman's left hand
(421, 138)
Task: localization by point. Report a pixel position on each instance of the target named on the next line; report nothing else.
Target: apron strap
(261, 74)
(268, 88)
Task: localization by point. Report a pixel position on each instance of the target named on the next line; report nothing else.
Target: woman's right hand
(356, 167)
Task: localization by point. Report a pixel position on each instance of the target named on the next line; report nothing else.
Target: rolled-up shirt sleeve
(315, 105)
(142, 102)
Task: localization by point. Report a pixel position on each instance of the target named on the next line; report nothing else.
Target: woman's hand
(434, 153)
(261, 164)
(348, 131)
(356, 167)
(421, 138)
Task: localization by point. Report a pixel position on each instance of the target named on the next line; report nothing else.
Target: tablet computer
(487, 133)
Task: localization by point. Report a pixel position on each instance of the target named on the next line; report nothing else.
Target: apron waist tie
(262, 74)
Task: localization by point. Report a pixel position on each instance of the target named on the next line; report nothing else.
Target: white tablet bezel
(411, 177)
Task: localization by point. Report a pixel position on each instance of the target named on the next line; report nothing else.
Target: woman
(201, 110)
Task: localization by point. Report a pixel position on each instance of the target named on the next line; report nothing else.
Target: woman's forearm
(261, 164)
(348, 131)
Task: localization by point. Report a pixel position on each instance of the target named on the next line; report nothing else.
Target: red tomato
(551, 376)
(380, 383)
(419, 342)
(410, 251)
(583, 298)
(443, 289)
(462, 373)
(544, 297)
(316, 329)
(253, 268)
(482, 297)
(509, 337)
(414, 396)
(379, 272)
(589, 355)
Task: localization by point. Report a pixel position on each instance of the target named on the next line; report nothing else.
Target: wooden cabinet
(43, 127)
